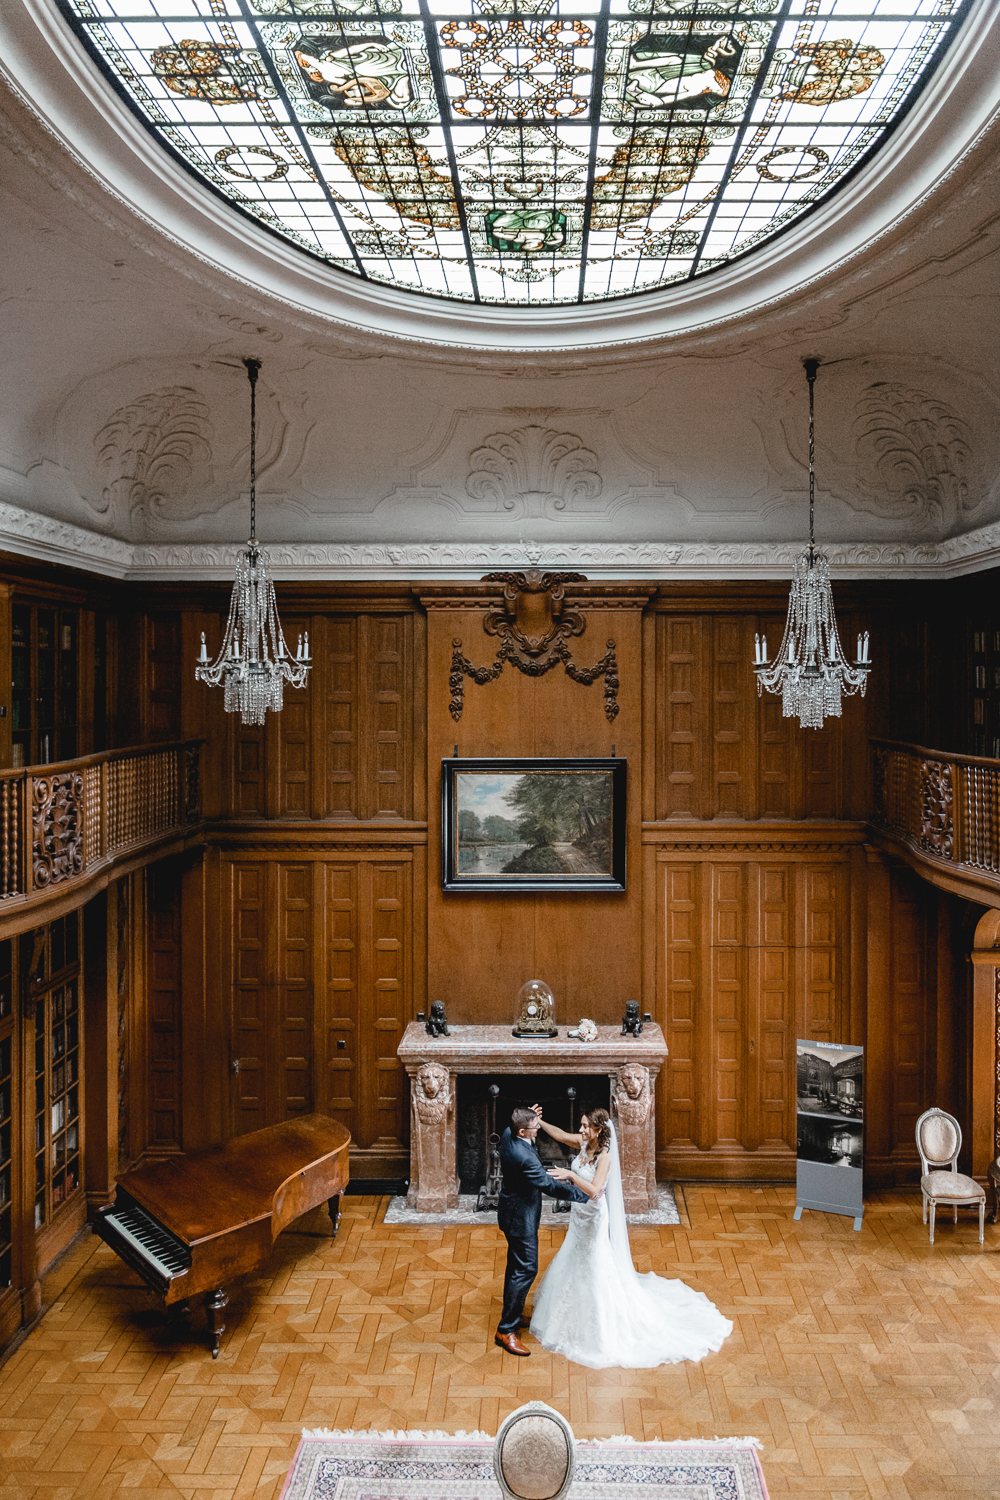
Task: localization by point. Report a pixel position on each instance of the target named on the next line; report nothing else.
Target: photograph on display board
(830, 1080)
(834, 1143)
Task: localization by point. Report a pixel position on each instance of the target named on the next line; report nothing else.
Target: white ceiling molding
(43, 539)
(47, 68)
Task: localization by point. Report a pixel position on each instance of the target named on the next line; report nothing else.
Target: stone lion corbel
(431, 1094)
(633, 1098)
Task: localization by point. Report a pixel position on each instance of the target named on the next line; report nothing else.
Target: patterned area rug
(432, 1466)
(398, 1213)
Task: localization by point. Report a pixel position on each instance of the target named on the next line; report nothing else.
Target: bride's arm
(554, 1131)
(592, 1189)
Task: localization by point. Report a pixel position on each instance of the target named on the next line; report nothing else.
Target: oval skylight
(520, 151)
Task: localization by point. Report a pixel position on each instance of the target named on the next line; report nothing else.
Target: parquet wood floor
(868, 1363)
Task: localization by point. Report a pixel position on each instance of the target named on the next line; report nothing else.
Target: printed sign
(830, 1088)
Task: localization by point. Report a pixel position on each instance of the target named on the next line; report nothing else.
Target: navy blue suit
(518, 1213)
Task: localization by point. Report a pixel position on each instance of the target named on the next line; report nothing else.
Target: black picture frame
(557, 865)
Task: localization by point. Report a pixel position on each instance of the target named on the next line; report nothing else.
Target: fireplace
(550, 1090)
(449, 1081)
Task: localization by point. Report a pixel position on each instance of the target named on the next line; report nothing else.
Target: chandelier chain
(253, 370)
(811, 366)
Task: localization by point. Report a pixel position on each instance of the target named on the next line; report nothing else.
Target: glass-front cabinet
(45, 684)
(57, 1072)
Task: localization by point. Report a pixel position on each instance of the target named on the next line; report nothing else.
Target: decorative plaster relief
(533, 470)
(920, 451)
(150, 449)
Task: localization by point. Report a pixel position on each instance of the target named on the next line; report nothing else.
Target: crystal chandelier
(811, 671)
(253, 664)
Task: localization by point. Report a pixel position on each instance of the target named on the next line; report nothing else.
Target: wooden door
(272, 992)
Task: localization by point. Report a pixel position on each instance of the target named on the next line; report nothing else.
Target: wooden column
(100, 1030)
(985, 1045)
(6, 711)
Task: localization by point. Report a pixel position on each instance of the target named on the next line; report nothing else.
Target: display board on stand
(829, 1174)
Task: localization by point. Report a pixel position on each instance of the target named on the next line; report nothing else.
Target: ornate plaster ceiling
(124, 440)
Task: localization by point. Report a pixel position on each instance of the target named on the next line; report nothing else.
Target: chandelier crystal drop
(254, 663)
(811, 671)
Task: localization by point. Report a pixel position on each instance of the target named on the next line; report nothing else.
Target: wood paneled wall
(754, 913)
(313, 926)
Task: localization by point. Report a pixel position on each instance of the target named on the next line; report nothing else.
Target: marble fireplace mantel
(434, 1063)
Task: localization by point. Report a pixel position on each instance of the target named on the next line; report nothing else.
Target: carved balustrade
(59, 823)
(944, 807)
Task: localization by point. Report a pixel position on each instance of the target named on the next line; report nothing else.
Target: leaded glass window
(520, 151)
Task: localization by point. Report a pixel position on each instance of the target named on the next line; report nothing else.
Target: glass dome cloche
(535, 1011)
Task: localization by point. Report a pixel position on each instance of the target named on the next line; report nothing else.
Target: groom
(518, 1213)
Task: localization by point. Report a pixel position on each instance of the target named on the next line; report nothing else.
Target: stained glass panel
(520, 151)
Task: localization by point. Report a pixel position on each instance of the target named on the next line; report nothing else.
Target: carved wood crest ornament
(534, 628)
(57, 816)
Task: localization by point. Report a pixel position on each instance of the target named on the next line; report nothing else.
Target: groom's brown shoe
(511, 1343)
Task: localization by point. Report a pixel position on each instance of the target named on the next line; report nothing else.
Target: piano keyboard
(143, 1241)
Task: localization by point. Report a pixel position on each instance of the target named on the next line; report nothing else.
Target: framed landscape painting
(533, 825)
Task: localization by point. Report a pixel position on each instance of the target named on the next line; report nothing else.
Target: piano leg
(215, 1306)
(334, 1206)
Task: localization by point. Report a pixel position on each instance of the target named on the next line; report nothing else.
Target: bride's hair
(600, 1121)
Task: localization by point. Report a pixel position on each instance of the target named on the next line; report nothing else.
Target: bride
(592, 1305)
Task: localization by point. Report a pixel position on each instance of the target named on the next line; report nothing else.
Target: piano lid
(212, 1192)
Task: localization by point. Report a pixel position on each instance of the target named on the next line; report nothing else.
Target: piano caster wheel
(215, 1305)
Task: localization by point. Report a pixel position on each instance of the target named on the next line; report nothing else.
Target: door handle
(235, 1065)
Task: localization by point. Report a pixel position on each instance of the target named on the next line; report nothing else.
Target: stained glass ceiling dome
(520, 152)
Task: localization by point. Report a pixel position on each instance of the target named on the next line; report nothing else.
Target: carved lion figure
(431, 1094)
(632, 1095)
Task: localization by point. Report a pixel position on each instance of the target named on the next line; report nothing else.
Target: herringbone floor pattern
(868, 1364)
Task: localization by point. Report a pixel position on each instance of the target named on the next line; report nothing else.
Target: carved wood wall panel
(723, 753)
(272, 992)
(322, 954)
(164, 668)
(754, 951)
(343, 746)
(368, 1001)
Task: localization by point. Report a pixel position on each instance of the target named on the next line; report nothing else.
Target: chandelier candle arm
(254, 677)
(811, 672)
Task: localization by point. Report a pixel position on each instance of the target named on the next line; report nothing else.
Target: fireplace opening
(592, 1091)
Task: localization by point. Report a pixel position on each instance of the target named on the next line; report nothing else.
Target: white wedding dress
(594, 1307)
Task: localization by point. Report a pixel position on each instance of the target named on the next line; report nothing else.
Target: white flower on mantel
(586, 1031)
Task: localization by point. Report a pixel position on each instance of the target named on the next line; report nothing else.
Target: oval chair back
(939, 1141)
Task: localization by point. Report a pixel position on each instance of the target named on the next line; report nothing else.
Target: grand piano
(192, 1224)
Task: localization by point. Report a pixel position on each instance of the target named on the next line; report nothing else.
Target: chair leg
(954, 1213)
(982, 1215)
(923, 1200)
(933, 1211)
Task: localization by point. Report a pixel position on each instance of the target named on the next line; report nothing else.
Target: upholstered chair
(534, 1454)
(939, 1140)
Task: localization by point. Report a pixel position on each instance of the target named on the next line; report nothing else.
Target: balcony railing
(946, 806)
(59, 823)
